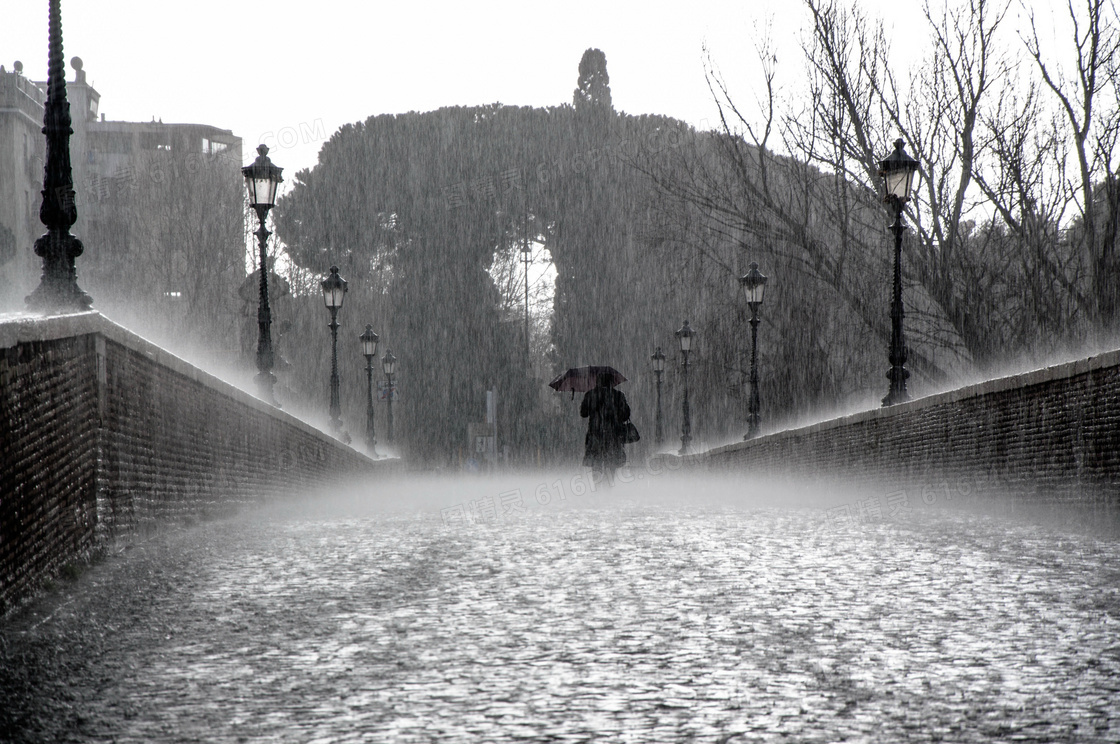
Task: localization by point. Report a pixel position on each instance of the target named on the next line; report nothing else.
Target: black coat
(606, 410)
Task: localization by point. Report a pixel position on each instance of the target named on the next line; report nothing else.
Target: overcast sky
(290, 73)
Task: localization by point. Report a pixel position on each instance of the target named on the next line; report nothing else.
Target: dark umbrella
(582, 379)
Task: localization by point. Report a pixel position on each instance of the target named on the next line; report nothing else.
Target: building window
(212, 147)
(110, 142)
(154, 141)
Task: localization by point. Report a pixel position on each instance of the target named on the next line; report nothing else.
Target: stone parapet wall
(1051, 434)
(48, 402)
(104, 436)
(17, 93)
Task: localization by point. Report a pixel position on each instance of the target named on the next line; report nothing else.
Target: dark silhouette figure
(606, 411)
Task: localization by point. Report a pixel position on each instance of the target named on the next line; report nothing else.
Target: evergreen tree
(594, 90)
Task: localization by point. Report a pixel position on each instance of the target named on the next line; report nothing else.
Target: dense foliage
(649, 222)
(413, 209)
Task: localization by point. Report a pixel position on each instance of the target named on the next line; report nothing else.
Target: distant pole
(371, 434)
(369, 349)
(658, 368)
(686, 424)
(684, 335)
(58, 290)
(389, 409)
(527, 257)
(388, 364)
(753, 284)
(336, 406)
(334, 293)
(754, 405)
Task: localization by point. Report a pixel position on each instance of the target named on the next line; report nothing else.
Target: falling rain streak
(485, 249)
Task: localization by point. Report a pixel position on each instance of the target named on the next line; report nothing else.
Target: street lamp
(658, 368)
(334, 292)
(898, 171)
(261, 181)
(389, 363)
(58, 290)
(369, 349)
(684, 336)
(754, 287)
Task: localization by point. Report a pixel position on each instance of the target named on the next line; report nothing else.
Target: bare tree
(171, 240)
(1009, 245)
(813, 198)
(508, 272)
(1087, 102)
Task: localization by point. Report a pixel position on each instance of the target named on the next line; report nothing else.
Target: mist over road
(664, 609)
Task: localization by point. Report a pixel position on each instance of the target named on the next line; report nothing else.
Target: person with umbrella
(607, 412)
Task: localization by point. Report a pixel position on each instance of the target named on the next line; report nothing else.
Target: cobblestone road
(613, 616)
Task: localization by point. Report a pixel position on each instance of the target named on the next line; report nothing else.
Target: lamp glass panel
(898, 183)
(332, 296)
(262, 190)
(272, 185)
(754, 292)
(251, 187)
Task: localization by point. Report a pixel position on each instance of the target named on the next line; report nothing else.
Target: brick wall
(104, 436)
(1050, 434)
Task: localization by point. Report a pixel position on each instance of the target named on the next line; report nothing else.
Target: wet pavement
(453, 611)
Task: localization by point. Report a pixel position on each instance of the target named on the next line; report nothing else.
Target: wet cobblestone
(611, 618)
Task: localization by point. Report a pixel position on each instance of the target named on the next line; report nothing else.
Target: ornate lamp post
(658, 368)
(334, 292)
(684, 336)
(261, 180)
(389, 363)
(898, 171)
(369, 349)
(754, 287)
(58, 290)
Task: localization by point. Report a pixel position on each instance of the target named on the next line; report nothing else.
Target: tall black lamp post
(369, 349)
(58, 290)
(684, 336)
(658, 368)
(898, 171)
(334, 292)
(754, 287)
(261, 180)
(389, 363)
